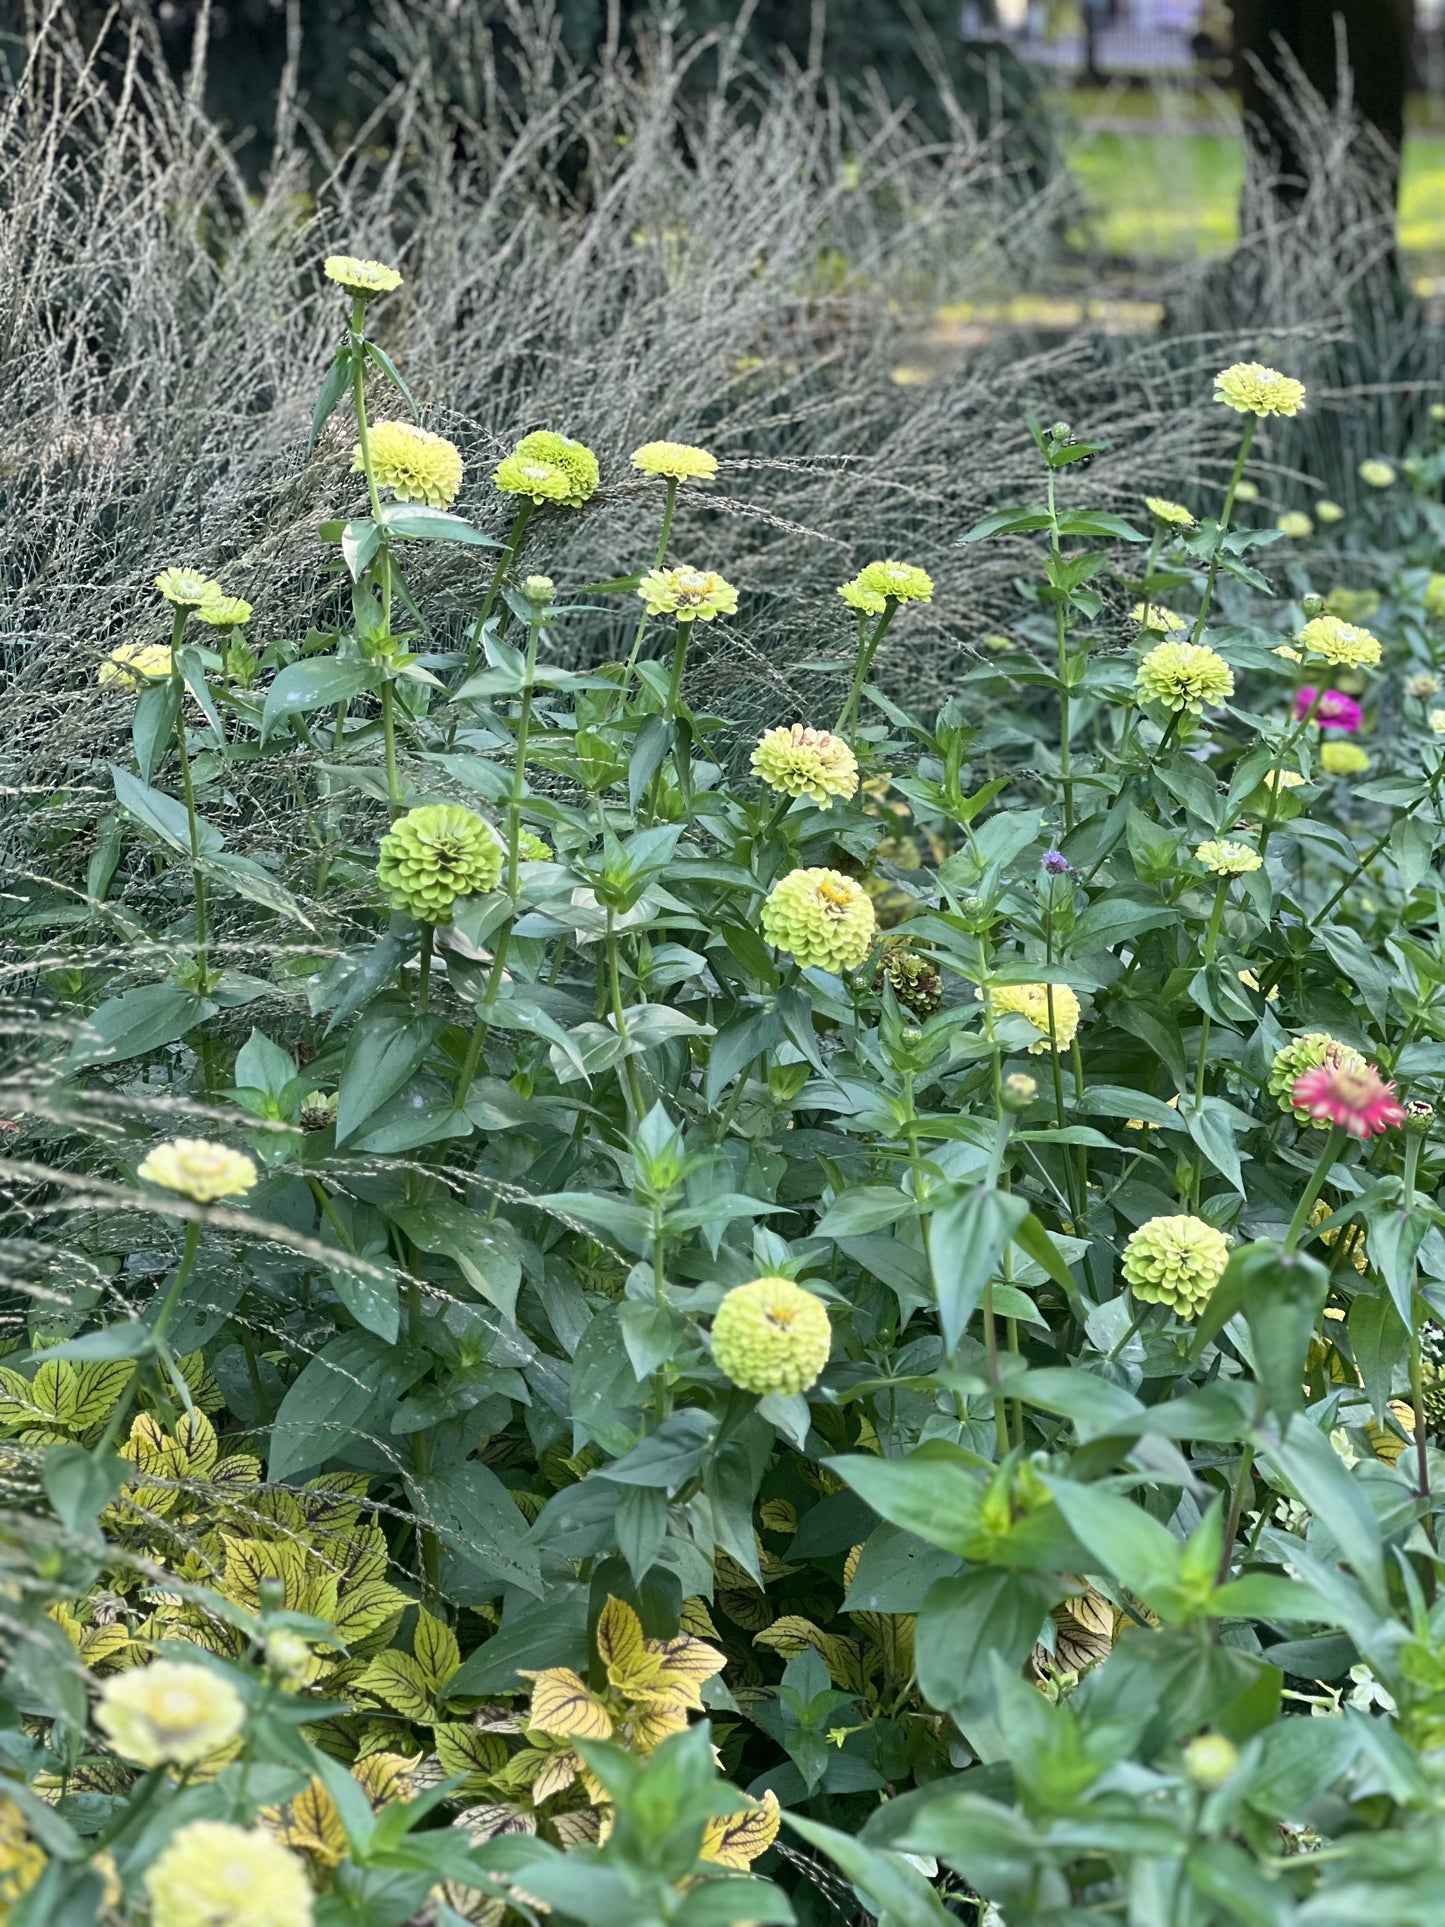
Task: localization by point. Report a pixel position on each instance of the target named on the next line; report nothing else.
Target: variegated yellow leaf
(462, 1749)
(484, 1823)
(386, 1777)
(98, 1386)
(685, 1663)
(400, 1683)
(653, 1723)
(563, 1707)
(619, 1636)
(697, 1620)
(555, 1775)
(371, 1610)
(313, 1825)
(736, 1839)
(792, 1634)
(579, 1827)
(778, 1515)
(55, 1392)
(195, 1445)
(435, 1649)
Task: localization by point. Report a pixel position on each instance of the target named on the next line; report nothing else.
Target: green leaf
(867, 1207)
(79, 1485)
(1125, 1540)
(348, 1387)
(316, 682)
(1281, 1295)
(935, 1493)
(551, 1634)
(483, 1533)
(964, 1622)
(1022, 521)
(967, 1239)
(746, 1034)
(373, 1301)
(422, 524)
(136, 1022)
(379, 358)
(893, 1886)
(153, 724)
(386, 1046)
(668, 1457)
(335, 384)
(163, 815)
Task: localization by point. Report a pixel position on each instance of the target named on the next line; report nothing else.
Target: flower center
(833, 895)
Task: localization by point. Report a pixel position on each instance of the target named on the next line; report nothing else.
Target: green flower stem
(494, 587)
(472, 1059)
(158, 1331)
(1413, 1146)
(1266, 829)
(1375, 848)
(1334, 1144)
(1245, 445)
(358, 397)
(1236, 1505)
(681, 756)
(388, 730)
(619, 1018)
(178, 629)
(662, 1384)
(519, 755)
(130, 1810)
(867, 650)
(423, 988)
(1061, 644)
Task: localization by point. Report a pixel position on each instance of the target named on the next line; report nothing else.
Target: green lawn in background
(1166, 196)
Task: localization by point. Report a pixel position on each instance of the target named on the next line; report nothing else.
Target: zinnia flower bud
(289, 1654)
(771, 1336)
(318, 1110)
(873, 586)
(1424, 683)
(134, 664)
(807, 762)
(679, 461)
(1340, 643)
(1032, 1001)
(169, 1713)
(914, 980)
(692, 595)
(198, 1169)
(1306, 1053)
(414, 464)
(1249, 388)
(433, 855)
(187, 588)
(1376, 474)
(1343, 759)
(822, 918)
(575, 459)
(1176, 1261)
(211, 1874)
(1228, 859)
(366, 278)
(1437, 721)
(1210, 1760)
(539, 590)
(1019, 1091)
(1184, 676)
(1246, 492)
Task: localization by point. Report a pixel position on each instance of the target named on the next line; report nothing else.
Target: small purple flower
(1335, 709)
(1058, 865)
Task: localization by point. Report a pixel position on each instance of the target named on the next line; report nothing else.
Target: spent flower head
(771, 1336)
(1339, 643)
(1170, 515)
(187, 588)
(1356, 1098)
(1033, 1001)
(213, 1874)
(1154, 618)
(1183, 676)
(678, 461)
(1307, 1052)
(692, 595)
(1249, 388)
(366, 278)
(169, 1713)
(1175, 1261)
(435, 854)
(820, 917)
(134, 664)
(915, 980)
(798, 761)
(1424, 683)
(198, 1169)
(875, 586)
(575, 459)
(1227, 858)
(414, 464)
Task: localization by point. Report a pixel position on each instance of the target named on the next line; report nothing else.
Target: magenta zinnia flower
(1358, 1100)
(1336, 709)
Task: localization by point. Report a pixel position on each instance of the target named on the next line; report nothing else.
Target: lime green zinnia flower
(1249, 388)
(366, 278)
(1435, 598)
(1032, 1001)
(1352, 605)
(538, 481)
(807, 762)
(1437, 721)
(1171, 515)
(872, 587)
(771, 1336)
(1158, 620)
(1295, 524)
(169, 1713)
(575, 459)
(187, 588)
(1328, 511)
(198, 1169)
(1376, 474)
(134, 664)
(1308, 1052)
(1227, 859)
(432, 856)
(226, 612)
(821, 917)
(1246, 492)
(1343, 759)
(1176, 1261)
(1340, 643)
(414, 464)
(211, 1874)
(532, 848)
(692, 595)
(1184, 675)
(679, 461)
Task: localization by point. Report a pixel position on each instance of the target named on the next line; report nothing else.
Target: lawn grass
(1169, 196)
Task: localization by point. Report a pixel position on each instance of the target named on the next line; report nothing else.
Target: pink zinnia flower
(1358, 1100)
(1336, 709)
